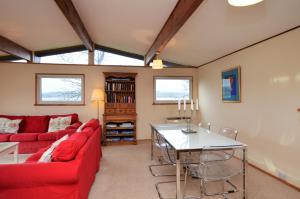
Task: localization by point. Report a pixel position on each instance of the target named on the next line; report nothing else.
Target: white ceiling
(130, 25)
(215, 29)
(35, 24)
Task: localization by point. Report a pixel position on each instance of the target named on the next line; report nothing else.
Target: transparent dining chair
(215, 155)
(167, 157)
(206, 125)
(221, 155)
(218, 171)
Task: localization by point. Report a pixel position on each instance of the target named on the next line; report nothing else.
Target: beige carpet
(124, 174)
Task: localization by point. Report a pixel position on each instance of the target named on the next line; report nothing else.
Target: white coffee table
(10, 147)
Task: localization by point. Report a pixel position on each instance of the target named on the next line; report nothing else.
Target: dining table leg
(152, 142)
(244, 172)
(178, 191)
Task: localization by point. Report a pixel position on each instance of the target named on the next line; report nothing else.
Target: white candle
(179, 104)
(197, 104)
(184, 105)
(192, 105)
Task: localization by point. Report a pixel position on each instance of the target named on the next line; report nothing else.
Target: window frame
(171, 102)
(39, 102)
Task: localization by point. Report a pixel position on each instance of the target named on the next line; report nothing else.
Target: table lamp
(97, 96)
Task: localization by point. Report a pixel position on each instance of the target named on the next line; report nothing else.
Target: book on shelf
(114, 98)
(113, 86)
(126, 124)
(127, 132)
(128, 139)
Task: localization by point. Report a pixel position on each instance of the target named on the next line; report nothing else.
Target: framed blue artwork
(231, 85)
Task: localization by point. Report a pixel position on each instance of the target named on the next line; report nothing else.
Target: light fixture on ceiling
(157, 63)
(241, 3)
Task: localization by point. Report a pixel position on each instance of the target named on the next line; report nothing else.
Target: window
(80, 57)
(106, 58)
(170, 89)
(20, 61)
(59, 89)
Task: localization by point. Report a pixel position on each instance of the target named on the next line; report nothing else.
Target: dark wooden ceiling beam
(182, 11)
(70, 12)
(15, 49)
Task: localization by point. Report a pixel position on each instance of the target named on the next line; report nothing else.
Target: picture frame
(231, 85)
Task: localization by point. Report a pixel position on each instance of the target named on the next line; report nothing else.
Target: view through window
(60, 89)
(80, 57)
(170, 89)
(100, 58)
(106, 58)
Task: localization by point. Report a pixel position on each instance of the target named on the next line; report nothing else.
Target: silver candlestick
(188, 121)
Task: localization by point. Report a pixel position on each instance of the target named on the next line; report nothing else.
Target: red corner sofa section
(32, 133)
(66, 179)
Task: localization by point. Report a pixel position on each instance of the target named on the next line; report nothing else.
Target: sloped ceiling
(214, 30)
(36, 25)
(130, 25)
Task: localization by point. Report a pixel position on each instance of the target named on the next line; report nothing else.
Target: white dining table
(201, 140)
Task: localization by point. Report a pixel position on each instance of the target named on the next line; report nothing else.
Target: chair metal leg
(164, 182)
(224, 193)
(158, 191)
(160, 175)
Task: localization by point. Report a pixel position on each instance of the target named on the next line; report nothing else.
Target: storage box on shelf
(120, 109)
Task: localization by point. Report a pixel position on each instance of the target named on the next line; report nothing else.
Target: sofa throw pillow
(46, 157)
(9, 126)
(59, 123)
(68, 149)
(81, 127)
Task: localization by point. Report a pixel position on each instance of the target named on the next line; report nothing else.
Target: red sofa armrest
(74, 126)
(38, 174)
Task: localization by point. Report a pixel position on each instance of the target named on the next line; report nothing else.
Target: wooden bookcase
(119, 118)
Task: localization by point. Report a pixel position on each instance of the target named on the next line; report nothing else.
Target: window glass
(80, 57)
(170, 89)
(105, 58)
(60, 89)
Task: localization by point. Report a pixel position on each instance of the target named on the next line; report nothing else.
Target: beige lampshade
(157, 64)
(241, 3)
(97, 95)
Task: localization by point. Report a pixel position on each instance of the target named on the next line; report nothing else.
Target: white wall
(267, 117)
(17, 91)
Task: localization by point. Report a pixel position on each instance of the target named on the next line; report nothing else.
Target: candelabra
(188, 118)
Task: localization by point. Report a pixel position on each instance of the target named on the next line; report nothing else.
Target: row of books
(117, 139)
(123, 124)
(114, 98)
(112, 86)
(119, 79)
(126, 124)
(115, 132)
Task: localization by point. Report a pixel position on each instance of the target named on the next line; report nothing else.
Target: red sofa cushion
(93, 123)
(88, 131)
(12, 117)
(23, 137)
(74, 126)
(47, 136)
(36, 124)
(74, 117)
(4, 137)
(68, 149)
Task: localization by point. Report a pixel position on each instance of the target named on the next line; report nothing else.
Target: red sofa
(68, 180)
(32, 133)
